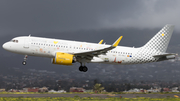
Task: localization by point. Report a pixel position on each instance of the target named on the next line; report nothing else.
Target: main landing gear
(25, 58)
(83, 68)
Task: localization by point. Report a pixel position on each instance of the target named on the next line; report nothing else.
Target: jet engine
(63, 59)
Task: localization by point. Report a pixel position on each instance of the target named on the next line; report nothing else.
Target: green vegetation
(98, 88)
(76, 98)
(88, 93)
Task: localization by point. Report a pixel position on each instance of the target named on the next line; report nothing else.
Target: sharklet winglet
(117, 41)
(100, 42)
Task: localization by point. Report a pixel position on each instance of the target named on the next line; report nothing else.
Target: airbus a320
(66, 52)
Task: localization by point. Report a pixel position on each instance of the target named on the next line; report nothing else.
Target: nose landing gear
(25, 58)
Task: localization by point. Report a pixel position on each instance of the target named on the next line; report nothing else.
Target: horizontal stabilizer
(165, 56)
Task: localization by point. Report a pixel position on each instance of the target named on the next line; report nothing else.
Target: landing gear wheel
(24, 62)
(85, 69)
(25, 58)
(81, 68)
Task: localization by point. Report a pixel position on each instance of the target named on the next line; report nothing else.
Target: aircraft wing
(90, 54)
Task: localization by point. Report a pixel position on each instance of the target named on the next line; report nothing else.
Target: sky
(85, 20)
(47, 16)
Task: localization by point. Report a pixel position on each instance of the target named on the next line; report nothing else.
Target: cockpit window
(16, 41)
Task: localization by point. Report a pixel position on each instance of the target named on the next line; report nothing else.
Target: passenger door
(26, 43)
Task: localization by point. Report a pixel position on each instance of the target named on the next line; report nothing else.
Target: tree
(95, 81)
(98, 88)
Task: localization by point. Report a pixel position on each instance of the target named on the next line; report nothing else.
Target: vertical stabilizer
(161, 40)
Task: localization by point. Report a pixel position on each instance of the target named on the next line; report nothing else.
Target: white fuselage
(46, 47)
(65, 52)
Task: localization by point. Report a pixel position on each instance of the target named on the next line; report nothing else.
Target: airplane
(66, 52)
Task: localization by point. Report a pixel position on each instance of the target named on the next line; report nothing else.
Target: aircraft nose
(5, 46)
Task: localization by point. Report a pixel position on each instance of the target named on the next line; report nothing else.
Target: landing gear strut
(83, 68)
(25, 58)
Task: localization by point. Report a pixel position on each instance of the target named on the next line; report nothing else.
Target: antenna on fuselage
(29, 35)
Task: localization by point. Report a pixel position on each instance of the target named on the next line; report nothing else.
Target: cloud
(21, 17)
(149, 14)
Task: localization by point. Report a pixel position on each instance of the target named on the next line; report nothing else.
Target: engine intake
(63, 59)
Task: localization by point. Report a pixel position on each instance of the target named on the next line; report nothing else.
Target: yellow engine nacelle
(63, 59)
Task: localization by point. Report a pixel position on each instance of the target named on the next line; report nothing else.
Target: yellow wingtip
(117, 41)
(100, 42)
